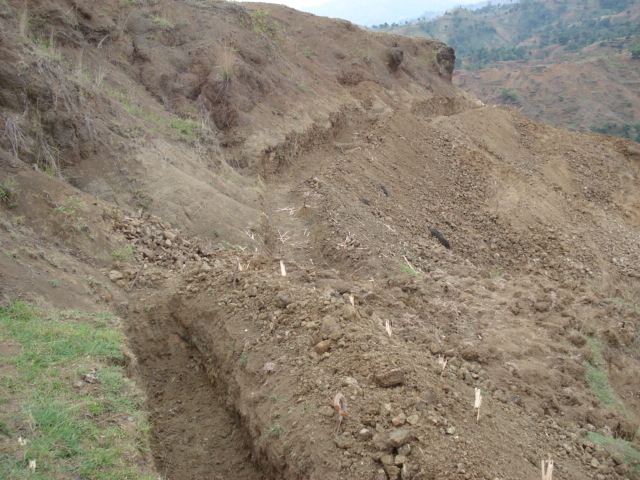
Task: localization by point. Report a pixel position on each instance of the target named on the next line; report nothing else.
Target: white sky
(297, 4)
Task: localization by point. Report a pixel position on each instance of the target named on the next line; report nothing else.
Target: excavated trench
(195, 434)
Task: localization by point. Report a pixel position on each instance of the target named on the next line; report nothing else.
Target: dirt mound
(174, 160)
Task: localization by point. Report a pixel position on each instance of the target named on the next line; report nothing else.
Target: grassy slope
(66, 406)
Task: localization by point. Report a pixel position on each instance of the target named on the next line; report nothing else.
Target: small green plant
(277, 430)
(72, 220)
(508, 95)
(53, 283)
(264, 25)
(244, 358)
(275, 398)
(408, 269)
(495, 273)
(8, 192)
(123, 253)
(163, 23)
(307, 52)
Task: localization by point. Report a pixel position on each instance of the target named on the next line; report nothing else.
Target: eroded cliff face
(224, 145)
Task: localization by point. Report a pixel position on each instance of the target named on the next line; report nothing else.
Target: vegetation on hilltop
(529, 29)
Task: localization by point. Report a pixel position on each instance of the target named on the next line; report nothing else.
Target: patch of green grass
(163, 23)
(123, 253)
(277, 431)
(623, 303)
(598, 378)
(408, 269)
(8, 192)
(626, 449)
(69, 427)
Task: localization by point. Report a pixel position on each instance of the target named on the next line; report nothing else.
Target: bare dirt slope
(171, 160)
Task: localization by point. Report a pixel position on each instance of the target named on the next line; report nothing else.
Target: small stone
(400, 460)
(252, 291)
(322, 347)
(365, 434)
(385, 409)
(349, 381)
(622, 469)
(343, 441)
(413, 419)
(330, 329)
(387, 459)
(349, 313)
(595, 463)
(399, 437)
(392, 471)
(115, 275)
(617, 458)
(391, 378)
(169, 235)
(326, 411)
(451, 430)
(404, 449)
(283, 300)
(399, 420)
(380, 475)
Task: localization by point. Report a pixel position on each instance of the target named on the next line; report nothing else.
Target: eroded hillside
(173, 160)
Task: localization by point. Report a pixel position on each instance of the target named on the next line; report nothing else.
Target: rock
(404, 449)
(169, 235)
(330, 329)
(400, 460)
(595, 463)
(283, 300)
(349, 313)
(365, 434)
(451, 430)
(617, 458)
(322, 347)
(393, 472)
(385, 409)
(622, 469)
(391, 378)
(386, 459)
(252, 291)
(413, 419)
(380, 475)
(343, 441)
(399, 420)
(349, 381)
(399, 437)
(115, 275)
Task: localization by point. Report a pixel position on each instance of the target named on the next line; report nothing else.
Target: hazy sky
(372, 12)
(297, 4)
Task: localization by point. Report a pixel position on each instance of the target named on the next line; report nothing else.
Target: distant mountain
(367, 13)
(564, 62)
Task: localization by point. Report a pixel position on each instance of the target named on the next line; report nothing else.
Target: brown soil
(312, 148)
